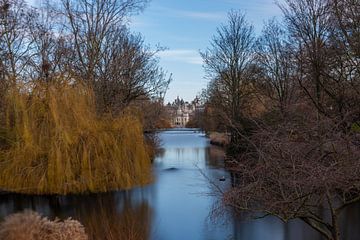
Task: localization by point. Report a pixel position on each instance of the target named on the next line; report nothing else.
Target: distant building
(181, 111)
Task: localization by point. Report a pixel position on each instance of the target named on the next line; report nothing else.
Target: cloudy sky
(185, 27)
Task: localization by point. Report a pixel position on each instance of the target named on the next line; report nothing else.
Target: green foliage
(58, 145)
(355, 127)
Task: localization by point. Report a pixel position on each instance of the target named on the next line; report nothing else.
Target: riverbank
(154, 211)
(219, 139)
(149, 212)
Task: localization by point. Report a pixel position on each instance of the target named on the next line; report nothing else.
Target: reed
(32, 226)
(57, 144)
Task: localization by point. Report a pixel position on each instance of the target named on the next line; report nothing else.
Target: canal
(180, 204)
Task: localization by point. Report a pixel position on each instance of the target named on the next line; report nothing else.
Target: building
(181, 111)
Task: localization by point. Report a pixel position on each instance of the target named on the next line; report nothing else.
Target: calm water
(177, 206)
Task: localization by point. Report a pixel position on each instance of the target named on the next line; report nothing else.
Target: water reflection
(112, 216)
(214, 157)
(104, 218)
(176, 206)
(272, 228)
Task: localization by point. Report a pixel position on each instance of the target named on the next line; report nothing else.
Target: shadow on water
(111, 216)
(177, 206)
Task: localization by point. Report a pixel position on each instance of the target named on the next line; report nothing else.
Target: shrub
(31, 226)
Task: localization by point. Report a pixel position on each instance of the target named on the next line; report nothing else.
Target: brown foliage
(58, 145)
(31, 226)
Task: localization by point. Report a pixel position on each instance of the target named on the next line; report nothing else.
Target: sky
(185, 27)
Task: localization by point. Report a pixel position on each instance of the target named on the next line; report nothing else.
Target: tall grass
(59, 145)
(32, 226)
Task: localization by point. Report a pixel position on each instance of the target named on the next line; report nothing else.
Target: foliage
(355, 127)
(58, 144)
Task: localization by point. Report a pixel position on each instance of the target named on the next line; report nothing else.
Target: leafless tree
(116, 63)
(288, 173)
(14, 42)
(228, 63)
(327, 66)
(91, 22)
(347, 20)
(344, 71)
(309, 27)
(129, 71)
(50, 51)
(275, 59)
(86, 41)
(304, 165)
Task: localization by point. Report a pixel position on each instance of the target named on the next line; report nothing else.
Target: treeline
(311, 58)
(291, 100)
(85, 41)
(78, 90)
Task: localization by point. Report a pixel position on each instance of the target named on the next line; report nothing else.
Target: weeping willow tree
(57, 144)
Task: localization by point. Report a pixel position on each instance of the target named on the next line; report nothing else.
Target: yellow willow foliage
(58, 144)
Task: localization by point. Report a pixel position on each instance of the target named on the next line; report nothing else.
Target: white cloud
(136, 22)
(202, 15)
(181, 55)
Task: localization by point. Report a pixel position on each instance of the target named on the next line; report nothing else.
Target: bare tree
(275, 59)
(288, 173)
(347, 17)
(309, 26)
(327, 64)
(14, 42)
(129, 71)
(86, 41)
(49, 51)
(116, 63)
(344, 73)
(228, 63)
(91, 22)
(305, 165)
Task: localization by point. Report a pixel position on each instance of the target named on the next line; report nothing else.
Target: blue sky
(185, 27)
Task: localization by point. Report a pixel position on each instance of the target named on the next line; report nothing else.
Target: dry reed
(59, 145)
(31, 226)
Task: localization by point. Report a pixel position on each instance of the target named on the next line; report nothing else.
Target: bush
(31, 226)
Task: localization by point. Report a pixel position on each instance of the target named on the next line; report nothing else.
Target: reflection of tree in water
(214, 156)
(249, 226)
(160, 153)
(105, 219)
(112, 216)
